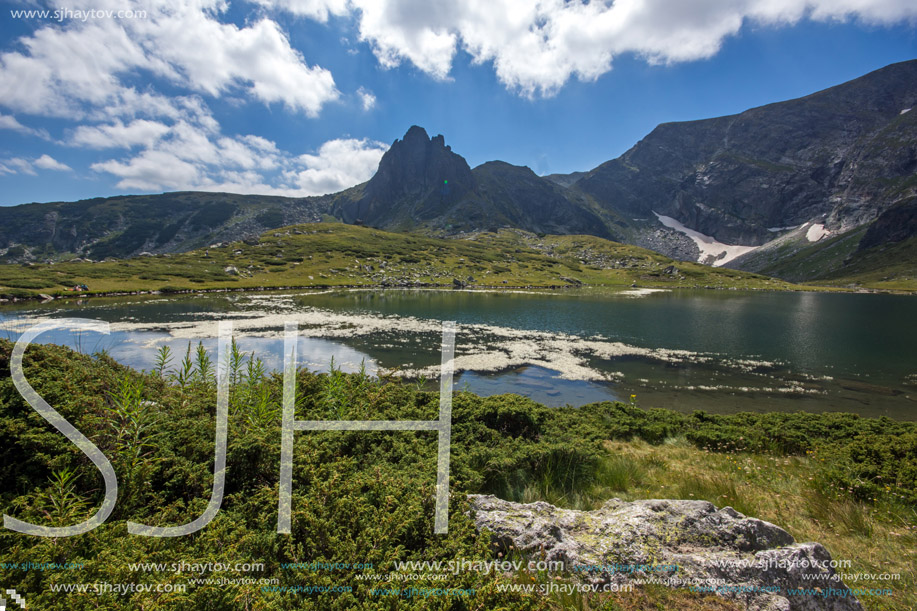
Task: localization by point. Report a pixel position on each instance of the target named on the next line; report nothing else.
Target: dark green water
(750, 351)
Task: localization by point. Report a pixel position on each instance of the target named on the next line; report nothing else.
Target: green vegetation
(328, 254)
(838, 261)
(887, 266)
(361, 497)
(123, 226)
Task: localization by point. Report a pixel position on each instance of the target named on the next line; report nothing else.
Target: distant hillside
(126, 226)
(838, 159)
(333, 254)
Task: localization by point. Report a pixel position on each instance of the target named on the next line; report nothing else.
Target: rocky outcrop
(418, 179)
(421, 182)
(673, 542)
(894, 225)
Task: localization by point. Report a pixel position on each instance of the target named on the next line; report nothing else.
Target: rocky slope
(674, 543)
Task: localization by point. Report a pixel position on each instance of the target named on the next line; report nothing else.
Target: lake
(720, 351)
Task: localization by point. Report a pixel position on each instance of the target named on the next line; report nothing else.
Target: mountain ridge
(778, 178)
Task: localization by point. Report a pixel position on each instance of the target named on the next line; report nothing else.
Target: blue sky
(300, 97)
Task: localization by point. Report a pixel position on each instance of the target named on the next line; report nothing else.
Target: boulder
(675, 543)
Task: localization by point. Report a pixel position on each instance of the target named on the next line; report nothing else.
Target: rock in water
(676, 543)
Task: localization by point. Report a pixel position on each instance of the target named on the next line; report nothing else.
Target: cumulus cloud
(190, 157)
(80, 68)
(12, 123)
(152, 171)
(20, 165)
(16, 165)
(187, 52)
(118, 135)
(338, 164)
(47, 162)
(319, 10)
(535, 47)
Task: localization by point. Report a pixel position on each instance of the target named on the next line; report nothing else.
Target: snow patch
(709, 247)
(906, 110)
(777, 229)
(816, 232)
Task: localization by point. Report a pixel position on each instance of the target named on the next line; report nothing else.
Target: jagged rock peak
(417, 137)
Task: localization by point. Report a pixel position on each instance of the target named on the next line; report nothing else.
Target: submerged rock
(676, 543)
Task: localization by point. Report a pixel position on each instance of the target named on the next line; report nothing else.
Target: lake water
(720, 351)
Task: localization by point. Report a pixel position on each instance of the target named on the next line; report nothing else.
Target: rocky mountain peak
(418, 175)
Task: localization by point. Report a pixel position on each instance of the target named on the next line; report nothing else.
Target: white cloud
(189, 157)
(140, 132)
(339, 164)
(319, 10)
(78, 69)
(10, 122)
(213, 57)
(367, 99)
(152, 171)
(535, 47)
(85, 72)
(47, 162)
(20, 165)
(16, 165)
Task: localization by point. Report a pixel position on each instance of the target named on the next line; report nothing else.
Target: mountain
(422, 184)
(803, 190)
(126, 226)
(836, 159)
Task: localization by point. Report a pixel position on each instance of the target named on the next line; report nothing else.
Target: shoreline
(46, 297)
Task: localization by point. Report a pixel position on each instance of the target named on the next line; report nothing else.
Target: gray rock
(232, 270)
(673, 542)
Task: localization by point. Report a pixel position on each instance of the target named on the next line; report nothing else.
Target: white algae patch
(480, 347)
(641, 292)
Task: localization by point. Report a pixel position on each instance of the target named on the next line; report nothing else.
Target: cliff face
(421, 183)
(842, 155)
(418, 179)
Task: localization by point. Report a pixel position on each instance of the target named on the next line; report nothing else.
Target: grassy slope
(329, 254)
(835, 261)
(848, 482)
(786, 490)
(889, 266)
